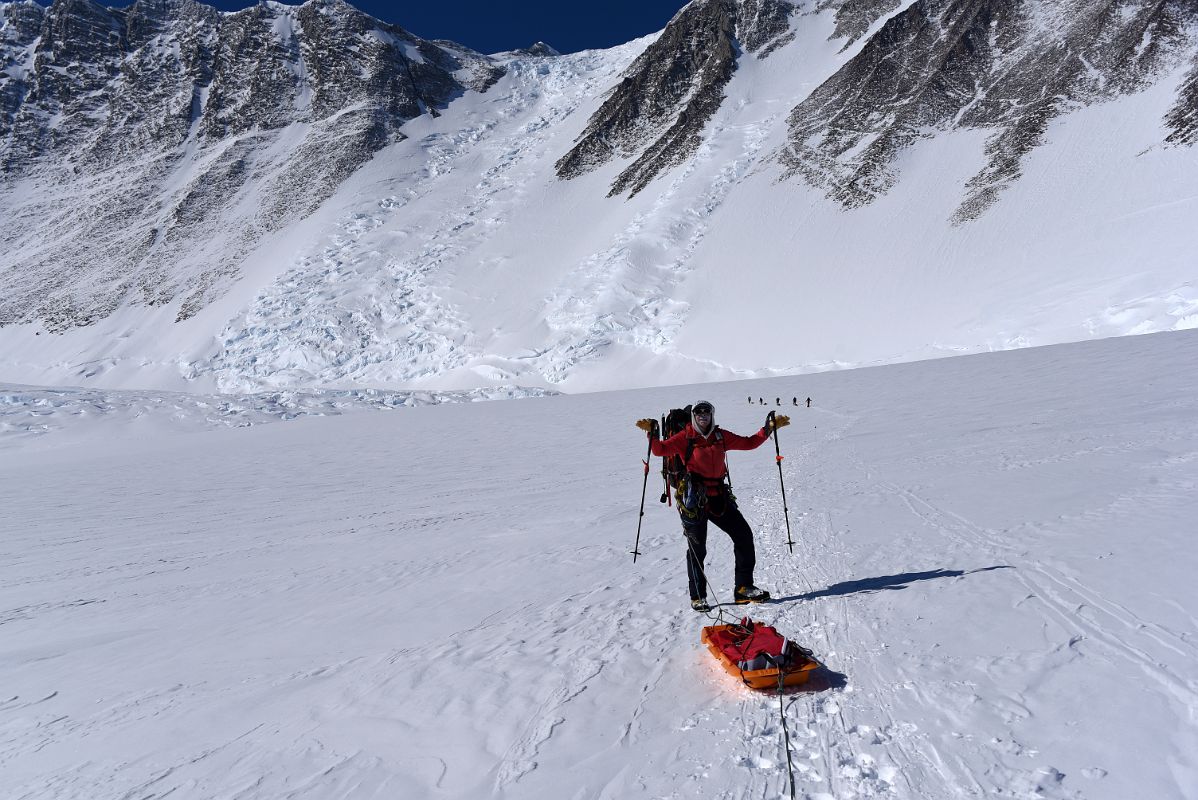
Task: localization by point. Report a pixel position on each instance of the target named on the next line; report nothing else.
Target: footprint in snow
(860, 766)
(888, 773)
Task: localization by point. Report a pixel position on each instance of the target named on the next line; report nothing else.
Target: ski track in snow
(1072, 604)
(834, 758)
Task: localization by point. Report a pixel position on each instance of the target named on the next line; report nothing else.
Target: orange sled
(757, 654)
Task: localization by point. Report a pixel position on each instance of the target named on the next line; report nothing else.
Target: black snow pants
(721, 510)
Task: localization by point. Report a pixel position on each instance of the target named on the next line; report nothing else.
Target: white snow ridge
(322, 345)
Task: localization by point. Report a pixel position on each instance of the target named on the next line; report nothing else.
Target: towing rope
(781, 665)
(719, 618)
(790, 769)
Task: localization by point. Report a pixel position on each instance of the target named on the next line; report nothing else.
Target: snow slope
(995, 562)
(456, 259)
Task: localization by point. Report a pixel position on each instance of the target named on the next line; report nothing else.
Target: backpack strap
(719, 436)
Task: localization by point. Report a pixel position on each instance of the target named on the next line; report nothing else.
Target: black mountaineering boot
(700, 604)
(750, 594)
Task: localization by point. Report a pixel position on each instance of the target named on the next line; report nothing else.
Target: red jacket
(707, 455)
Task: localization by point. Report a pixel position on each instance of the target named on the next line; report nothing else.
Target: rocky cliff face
(855, 17)
(1008, 67)
(1183, 117)
(1005, 66)
(657, 113)
(163, 140)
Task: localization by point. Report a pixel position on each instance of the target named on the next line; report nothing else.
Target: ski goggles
(705, 409)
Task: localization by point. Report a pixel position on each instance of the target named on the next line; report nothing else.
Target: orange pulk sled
(759, 655)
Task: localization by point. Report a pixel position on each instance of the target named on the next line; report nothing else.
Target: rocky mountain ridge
(167, 120)
(995, 65)
(657, 113)
(935, 66)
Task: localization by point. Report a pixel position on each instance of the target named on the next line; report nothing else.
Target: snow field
(993, 559)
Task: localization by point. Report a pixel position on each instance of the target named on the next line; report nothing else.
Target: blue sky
(493, 26)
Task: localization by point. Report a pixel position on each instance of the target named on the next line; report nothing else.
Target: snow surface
(995, 561)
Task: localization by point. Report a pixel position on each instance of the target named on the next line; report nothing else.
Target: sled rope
(781, 665)
(786, 737)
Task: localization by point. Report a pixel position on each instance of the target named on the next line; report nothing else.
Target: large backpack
(673, 469)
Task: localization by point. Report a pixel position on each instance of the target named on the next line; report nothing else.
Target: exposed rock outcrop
(657, 113)
(855, 17)
(1182, 119)
(1006, 66)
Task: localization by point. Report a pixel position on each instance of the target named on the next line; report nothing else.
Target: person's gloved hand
(649, 426)
(775, 421)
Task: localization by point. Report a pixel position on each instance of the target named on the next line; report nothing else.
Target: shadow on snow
(885, 582)
(824, 678)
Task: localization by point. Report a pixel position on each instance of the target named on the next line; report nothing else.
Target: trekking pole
(636, 548)
(785, 511)
(665, 478)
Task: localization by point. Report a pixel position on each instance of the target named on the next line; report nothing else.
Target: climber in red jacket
(704, 494)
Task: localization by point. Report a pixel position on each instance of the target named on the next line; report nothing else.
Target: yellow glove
(647, 425)
(778, 420)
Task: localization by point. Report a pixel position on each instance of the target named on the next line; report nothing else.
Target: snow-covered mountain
(303, 196)
(147, 150)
